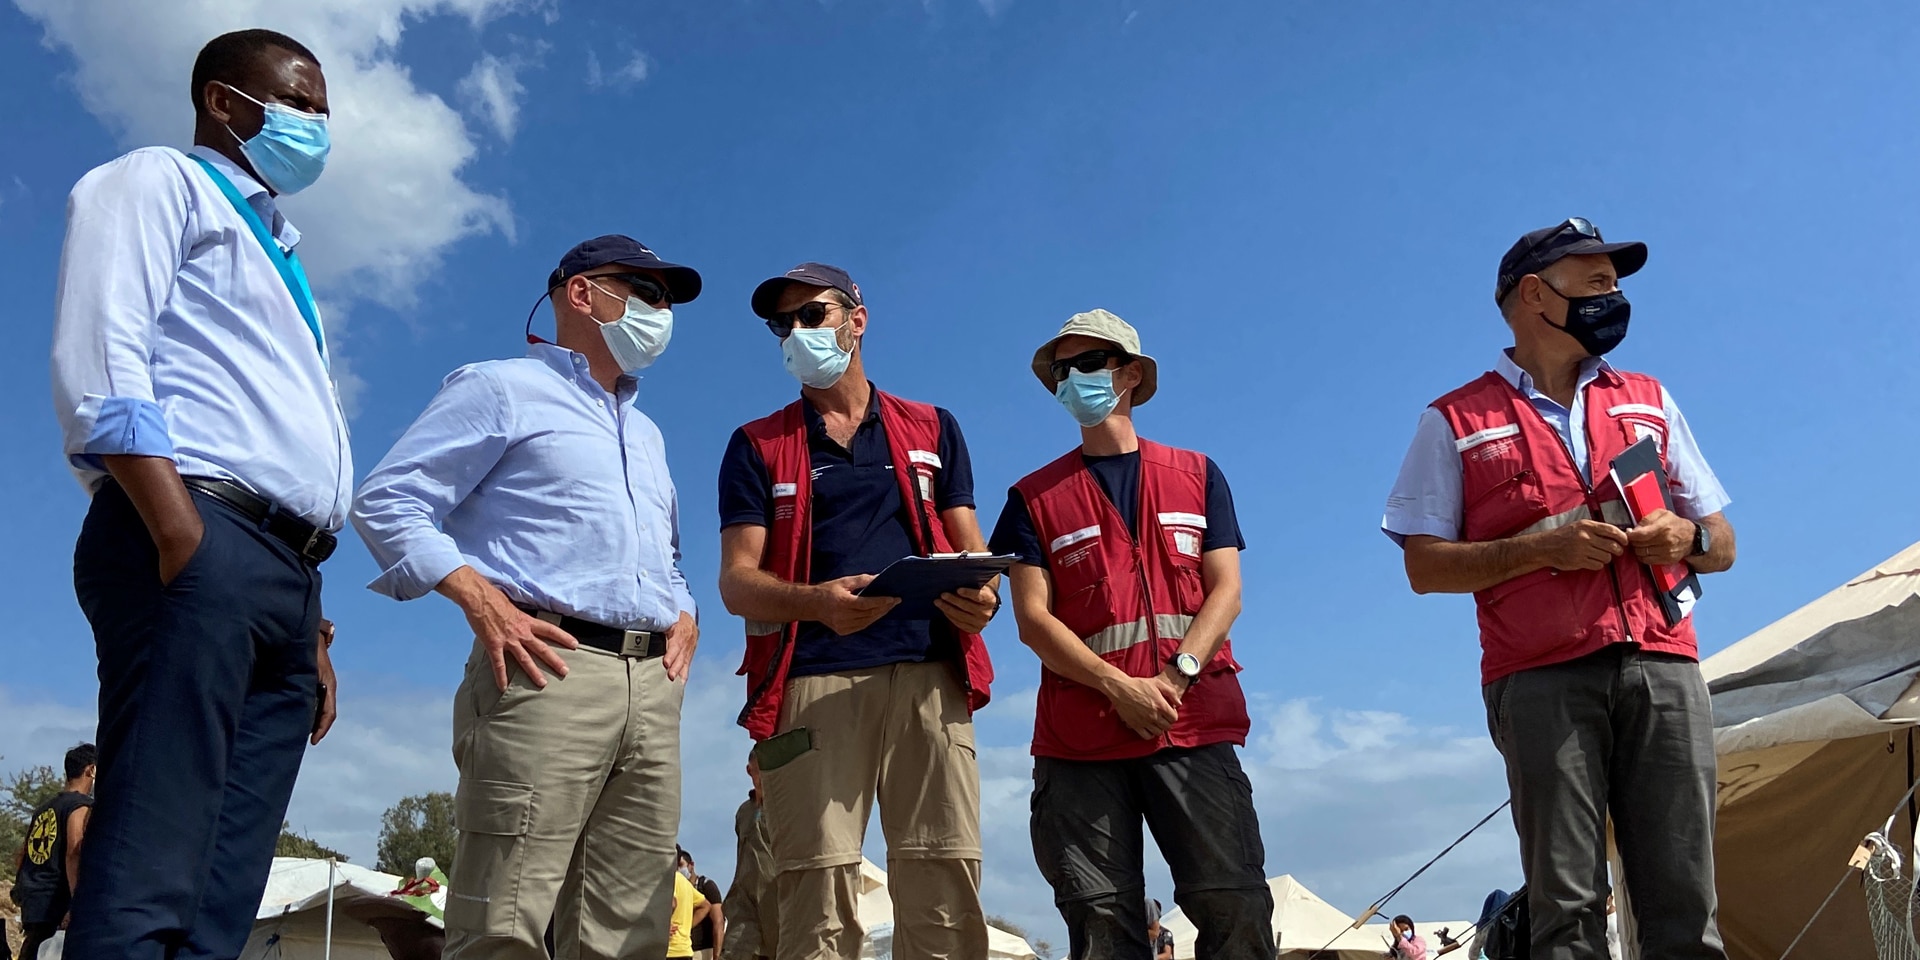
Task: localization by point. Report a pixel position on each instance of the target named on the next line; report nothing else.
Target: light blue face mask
(291, 148)
(1089, 397)
(814, 356)
(640, 336)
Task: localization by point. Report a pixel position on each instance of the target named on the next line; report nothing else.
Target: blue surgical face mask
(291, 148)
(640, 336)
(815, 357)
(1089, 397)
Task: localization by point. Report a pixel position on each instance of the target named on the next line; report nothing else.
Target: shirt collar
(572, 365)
(818, 424)
(255, 193)
(1591, 369)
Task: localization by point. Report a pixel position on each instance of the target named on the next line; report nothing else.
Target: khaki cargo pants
(900, 734)
(568, 806)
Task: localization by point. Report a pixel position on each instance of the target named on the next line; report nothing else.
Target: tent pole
(327, 951)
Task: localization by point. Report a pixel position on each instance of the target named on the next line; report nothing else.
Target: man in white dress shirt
(191, 381)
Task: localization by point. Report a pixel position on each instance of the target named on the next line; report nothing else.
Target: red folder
(1642, 480)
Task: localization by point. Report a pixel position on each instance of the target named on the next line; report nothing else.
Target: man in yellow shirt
(689, 909)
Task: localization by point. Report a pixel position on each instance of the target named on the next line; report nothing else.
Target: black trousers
(35, 934)
(1199, 805)
(1621, 733)
(206, 700)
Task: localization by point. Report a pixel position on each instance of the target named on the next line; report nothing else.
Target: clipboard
(1643, 485)
(918, 581)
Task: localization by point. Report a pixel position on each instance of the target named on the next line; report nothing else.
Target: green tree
(20, 793)
(418, 826)
(292, 844)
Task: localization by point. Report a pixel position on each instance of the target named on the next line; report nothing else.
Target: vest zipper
(1593, 505)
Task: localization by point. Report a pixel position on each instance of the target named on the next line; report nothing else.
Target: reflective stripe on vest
(1612, 511)
(1123, 635)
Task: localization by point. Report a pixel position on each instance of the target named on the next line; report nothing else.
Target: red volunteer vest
(913, 440)
(1519, 477)
(1131, 602)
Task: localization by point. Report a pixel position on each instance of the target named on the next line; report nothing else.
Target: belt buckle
(311, 548)
(636, 643)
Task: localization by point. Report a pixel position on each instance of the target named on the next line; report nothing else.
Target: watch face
(1187, 664)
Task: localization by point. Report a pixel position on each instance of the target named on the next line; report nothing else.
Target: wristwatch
(1186, 665)
(1702, 540)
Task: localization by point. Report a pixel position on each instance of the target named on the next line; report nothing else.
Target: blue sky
(1300, 206)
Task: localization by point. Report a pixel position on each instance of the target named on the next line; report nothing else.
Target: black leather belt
(636, 644)
(313, 544)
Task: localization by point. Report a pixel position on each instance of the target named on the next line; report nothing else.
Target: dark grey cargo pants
(1627, 734)
(1199, 805)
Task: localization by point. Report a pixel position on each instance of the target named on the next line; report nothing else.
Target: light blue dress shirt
(549, 487)
(1426, 496)
(174, 336)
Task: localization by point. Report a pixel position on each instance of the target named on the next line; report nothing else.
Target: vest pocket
(1501, 498)
(1535, 613)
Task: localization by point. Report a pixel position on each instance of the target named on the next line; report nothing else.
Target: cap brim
(766, 296)
(1628, 256)
(683, 283)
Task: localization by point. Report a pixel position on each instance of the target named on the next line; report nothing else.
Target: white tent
(876, 915)
(1303, 923)
(1813, 727)
(291, 923)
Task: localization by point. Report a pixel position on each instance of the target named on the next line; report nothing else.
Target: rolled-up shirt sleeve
(1425, 500)
(402, 507)
(126, 240)
(1696, 490)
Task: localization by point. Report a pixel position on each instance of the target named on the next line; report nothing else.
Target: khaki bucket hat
(1101, 325)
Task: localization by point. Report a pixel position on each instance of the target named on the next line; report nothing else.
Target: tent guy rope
(1371, 911)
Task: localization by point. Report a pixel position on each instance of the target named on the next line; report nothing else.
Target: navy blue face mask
(1598, 322)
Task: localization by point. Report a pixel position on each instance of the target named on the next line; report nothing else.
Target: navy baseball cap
(683, 283)
(1573, 236)
(766, 296)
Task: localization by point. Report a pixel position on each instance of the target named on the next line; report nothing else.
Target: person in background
(689, 910)
(48, 866)
(534, 493)
(752, 914)
(710, 934)
(851, 707)
(1407, 944)
(1157, 934)
(1593, 692)
(1127, 583)
(191, 378)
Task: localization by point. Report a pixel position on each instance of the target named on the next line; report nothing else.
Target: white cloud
(493, 88)
(633, 71)
(392, 199)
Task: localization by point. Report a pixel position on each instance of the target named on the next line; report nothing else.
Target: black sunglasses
(646, 288)
(1087, 362)
(809, 315)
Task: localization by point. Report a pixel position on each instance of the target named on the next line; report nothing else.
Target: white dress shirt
(549, 487)
(174, 335)
(1426, 496)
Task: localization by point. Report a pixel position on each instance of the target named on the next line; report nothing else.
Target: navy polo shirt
(860, 525)
(1119, 479)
